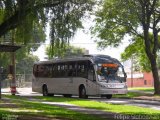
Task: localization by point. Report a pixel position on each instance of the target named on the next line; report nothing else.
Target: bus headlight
(115, 86)
(111, 86)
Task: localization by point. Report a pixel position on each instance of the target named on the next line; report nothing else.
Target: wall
(145, 81)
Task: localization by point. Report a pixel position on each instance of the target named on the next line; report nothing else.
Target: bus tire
(67, 95)
(45, 90)
(82, 92)
(108, 96)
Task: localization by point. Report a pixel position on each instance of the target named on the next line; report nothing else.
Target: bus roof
(94, 58)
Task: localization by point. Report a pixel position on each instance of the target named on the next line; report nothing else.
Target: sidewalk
(145, 95)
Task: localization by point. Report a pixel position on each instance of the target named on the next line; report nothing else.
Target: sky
(84, 39)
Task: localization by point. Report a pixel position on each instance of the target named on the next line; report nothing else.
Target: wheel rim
(83, 93)
(45, 92)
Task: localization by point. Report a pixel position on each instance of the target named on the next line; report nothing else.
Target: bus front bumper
(112, 91)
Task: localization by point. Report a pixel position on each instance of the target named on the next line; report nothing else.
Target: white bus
(89, 75)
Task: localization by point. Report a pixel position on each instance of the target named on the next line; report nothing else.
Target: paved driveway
(134, 102)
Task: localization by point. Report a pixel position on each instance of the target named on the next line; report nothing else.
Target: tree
(136, 52)
(136, 18)
(26, 64)
(64, 16)
(64, 52)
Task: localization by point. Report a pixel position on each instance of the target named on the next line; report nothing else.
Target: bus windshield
(111, 73)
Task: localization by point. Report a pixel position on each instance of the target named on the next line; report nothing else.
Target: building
(140, 79)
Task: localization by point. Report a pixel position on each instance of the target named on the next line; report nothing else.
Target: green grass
(24, 107)
(145, 89)
(139, 91)
(123, 109)
(129, 95)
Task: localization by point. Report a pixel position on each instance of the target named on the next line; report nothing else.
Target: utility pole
(131, 71)
(1, 71)
(13, 81)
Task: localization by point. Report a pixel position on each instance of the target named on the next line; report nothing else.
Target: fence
(22, 80)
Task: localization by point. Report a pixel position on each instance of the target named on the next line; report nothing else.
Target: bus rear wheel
(82, 93)
(108, 96)
(67, 95)
(45, 90)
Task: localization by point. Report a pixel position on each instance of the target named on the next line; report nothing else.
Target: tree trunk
(151, 54)
(154, 63)
(155, 76)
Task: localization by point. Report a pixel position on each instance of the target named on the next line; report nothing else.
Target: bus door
(70, 76)
(91, 81)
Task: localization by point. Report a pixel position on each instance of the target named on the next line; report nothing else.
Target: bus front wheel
(45, 90)
(108, 96)
(82, 93)
(67, 95)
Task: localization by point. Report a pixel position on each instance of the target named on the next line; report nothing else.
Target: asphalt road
(134, 102)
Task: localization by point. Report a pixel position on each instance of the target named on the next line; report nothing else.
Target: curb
(148, 100)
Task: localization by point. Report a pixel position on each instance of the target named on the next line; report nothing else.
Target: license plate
(115, 91)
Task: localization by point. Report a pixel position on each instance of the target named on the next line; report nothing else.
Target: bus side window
(49, 69)
(45, 71)
(58, 70)
(63, 72)
(91, 73)
(35, 70)
(40, 70)
(74, 66)
(66, 69)
(82, 69)
(55, 71)
(71, 69)
(69, 73)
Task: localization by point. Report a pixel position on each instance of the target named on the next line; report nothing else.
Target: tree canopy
(136, 52)
(30, 16)
(118, 18)
(26, 64)
(64, 52)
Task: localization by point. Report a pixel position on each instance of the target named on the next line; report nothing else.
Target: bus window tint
(44, 70)
(40, 70)
(71, 69)
(82, 69)
(62, 70)
(91, 73)
(58, 70)
(48, 70)
(35, 71)
(54, 73)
